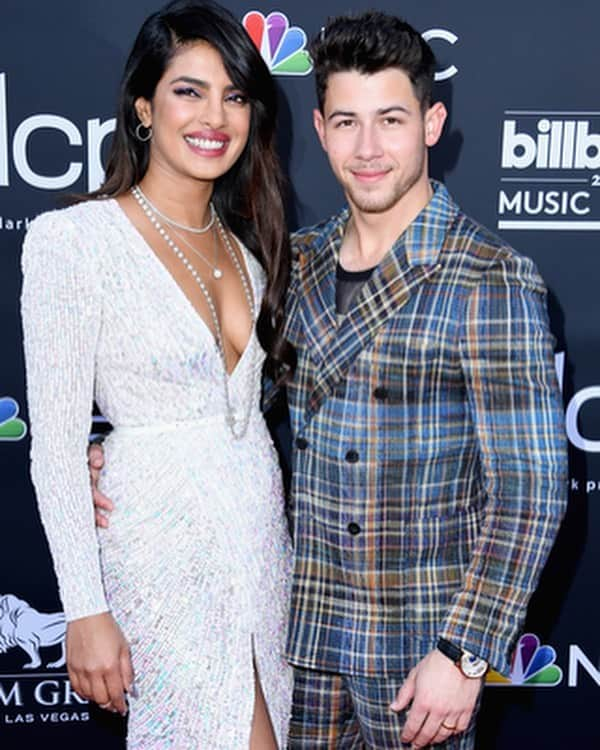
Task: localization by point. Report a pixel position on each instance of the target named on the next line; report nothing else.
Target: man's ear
(319, 123)
(143, 110)
(435, 117)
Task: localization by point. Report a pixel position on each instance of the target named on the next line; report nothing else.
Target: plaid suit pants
(343, 712)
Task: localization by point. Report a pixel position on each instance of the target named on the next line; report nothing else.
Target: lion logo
(23, 626)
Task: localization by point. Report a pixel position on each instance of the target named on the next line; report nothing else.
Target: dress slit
(258, 682)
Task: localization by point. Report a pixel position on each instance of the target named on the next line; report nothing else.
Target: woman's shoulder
(83, 216)
(76, 233)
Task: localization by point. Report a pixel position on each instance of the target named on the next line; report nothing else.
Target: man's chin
(371, 204)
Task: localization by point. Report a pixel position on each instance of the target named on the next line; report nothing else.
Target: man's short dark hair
(369, 43)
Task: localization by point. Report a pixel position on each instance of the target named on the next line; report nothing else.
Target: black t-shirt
(348, 284)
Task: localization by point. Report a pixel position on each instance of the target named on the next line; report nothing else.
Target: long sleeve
(517, 413)
(61, 312)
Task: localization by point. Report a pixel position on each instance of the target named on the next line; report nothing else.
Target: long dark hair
(249, 196)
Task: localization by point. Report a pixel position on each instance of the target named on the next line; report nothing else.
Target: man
(429, 470)
(429, 462)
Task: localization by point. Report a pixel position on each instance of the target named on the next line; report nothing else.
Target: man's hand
(442, 700)
(99, 662)
(101, 502)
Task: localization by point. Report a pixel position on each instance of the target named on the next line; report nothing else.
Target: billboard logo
(282, 46)
(557, 158)
(533, 665)
(11, 428)
(555, 144)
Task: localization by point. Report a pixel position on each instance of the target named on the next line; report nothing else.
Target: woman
(145, 297)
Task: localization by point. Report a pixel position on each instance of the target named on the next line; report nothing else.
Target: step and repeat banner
(521, 153)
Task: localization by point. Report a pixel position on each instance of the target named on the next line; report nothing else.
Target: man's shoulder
(483, 252)
(309, 239)
(470, 236)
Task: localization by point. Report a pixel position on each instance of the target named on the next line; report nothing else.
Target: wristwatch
(470, 665)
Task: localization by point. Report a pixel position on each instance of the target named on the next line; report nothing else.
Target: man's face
(376, 137)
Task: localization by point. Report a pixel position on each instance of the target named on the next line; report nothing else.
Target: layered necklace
(217, 273)
(238, 428)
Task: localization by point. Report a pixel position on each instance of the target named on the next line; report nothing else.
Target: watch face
(472, 666)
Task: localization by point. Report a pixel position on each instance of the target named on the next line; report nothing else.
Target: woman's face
(200, 120)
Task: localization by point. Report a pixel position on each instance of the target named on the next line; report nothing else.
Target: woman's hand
(99, 661)
(102, 504)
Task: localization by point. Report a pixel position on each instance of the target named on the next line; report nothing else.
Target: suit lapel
(317, 287)
(413, 260)
(384, 295)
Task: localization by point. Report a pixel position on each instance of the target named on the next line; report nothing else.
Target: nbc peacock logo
(532, 666)
(282, 46)
(11, 427)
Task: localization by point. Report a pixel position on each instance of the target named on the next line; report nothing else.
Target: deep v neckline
(164, 271)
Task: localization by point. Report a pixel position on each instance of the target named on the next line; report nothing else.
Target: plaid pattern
(429, 473)
(352, 713)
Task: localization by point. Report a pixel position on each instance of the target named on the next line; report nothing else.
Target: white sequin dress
(195, 565)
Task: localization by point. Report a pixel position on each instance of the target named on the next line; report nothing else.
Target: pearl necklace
(173, 223)
(230, 418)
(140, 197)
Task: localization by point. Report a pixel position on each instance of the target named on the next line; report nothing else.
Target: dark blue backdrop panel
(521, 152)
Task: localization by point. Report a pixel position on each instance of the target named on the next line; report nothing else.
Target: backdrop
(521, 153)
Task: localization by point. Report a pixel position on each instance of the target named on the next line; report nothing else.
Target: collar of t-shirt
(348, 284)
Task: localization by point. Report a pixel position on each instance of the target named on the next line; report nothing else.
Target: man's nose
(369, 143)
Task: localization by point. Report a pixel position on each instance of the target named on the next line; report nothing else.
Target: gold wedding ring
(450, 729)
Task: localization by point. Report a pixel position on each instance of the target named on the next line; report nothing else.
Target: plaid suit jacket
(429, 462)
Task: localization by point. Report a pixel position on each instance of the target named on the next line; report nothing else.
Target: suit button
(380, 393)
(301, 443)
(353, 528)
(352, 457)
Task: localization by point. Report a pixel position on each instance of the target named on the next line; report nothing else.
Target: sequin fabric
(195, 565)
